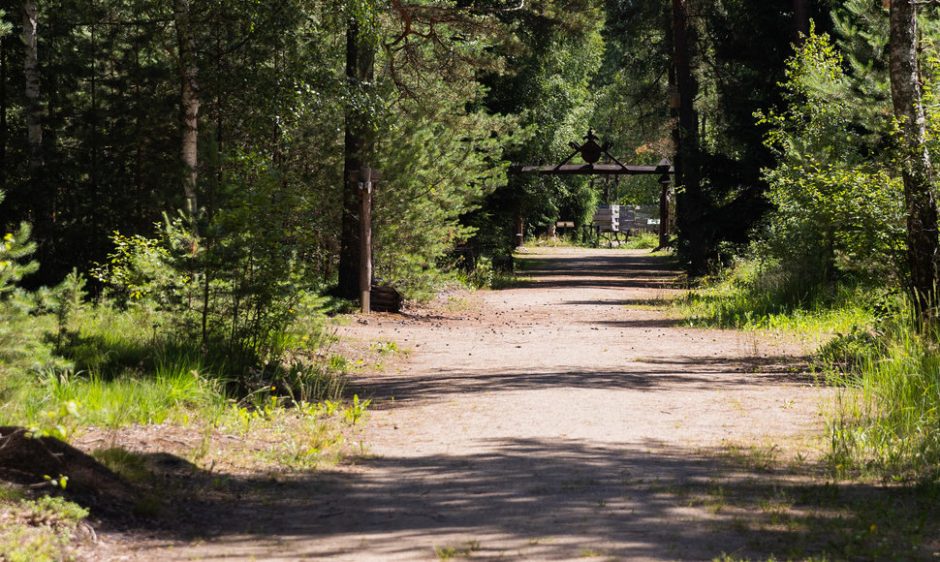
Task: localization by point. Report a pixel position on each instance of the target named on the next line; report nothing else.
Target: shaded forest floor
(568, 417)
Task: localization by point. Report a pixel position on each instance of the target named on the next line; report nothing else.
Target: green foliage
(40, 530)
(642, 241)
(15, 248)
(440, 165)
(757, 294)
(5, 26)
(549, 88)
(837, 211)
(139, 269)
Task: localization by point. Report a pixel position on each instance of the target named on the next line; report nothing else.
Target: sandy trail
(558, 420)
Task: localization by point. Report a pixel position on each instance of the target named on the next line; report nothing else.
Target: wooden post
(664, 204)
(365, 238)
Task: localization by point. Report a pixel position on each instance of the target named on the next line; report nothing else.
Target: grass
(887, 419)
(114, 369)
(463, 550)
(754, 296)
(117, 368)
(42, 530)
(800, 513)
(641, 241)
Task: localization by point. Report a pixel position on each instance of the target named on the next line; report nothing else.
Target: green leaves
(15, 248)
(837, 210)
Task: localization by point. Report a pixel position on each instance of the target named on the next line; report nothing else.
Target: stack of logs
(385, 299)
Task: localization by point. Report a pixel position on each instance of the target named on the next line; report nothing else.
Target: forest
(181, 205)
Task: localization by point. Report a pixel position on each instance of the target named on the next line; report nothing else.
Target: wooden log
(386, 299)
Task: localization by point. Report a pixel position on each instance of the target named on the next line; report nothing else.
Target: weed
(463, 550)
(757, 296)
(127, 464)
(354, 412)
(39, 530)
(641, 241)
(386, 347)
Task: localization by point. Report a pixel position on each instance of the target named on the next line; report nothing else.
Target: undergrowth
(757, 296)
(45, 529)
(641, 241)
(887, 418)
(120, 368)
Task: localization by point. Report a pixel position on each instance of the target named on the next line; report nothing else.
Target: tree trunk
(3, 112)
(31, 71)
(800, 20)
(189, 104)
(916, 167)
(689, 200)
(360, 72)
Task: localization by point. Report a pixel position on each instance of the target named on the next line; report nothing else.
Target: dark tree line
(114, 114)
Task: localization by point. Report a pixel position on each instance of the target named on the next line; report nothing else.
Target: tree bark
(359, 142)
(3, 112)
(689, 199)
(800, 20)
(189, 105)
(916, 169)
(30, 38)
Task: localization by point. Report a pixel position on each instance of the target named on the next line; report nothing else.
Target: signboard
(607, 218)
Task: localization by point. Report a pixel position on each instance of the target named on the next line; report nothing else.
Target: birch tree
(30, 38)
(916, 170)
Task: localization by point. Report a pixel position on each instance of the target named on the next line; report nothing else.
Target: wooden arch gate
(591, 152)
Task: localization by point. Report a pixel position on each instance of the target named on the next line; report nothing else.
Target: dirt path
(562, 419)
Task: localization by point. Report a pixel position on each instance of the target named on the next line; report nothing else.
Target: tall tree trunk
(189, 104)
(360, 72)
(31, 71)
(916, 167)
(93, 95)
(800, 20)
(689, 199)
(3, 113)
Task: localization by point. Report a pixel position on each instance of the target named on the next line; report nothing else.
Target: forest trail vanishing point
(568, 417)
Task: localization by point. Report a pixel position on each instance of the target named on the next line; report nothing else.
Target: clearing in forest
(567, 417)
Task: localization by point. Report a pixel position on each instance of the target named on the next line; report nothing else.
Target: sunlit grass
(751, 297)
(118, 368)
(641, 241)
(887, 418)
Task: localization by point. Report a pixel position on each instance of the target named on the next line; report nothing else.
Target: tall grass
(116, 368)
(756, 295)
(887, 417)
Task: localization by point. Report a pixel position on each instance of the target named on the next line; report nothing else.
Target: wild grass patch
(758, 296)
(886, 420)
(641, 241)
(40, 530)
(885, 363)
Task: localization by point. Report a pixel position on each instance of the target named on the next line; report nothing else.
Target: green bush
(837, 212)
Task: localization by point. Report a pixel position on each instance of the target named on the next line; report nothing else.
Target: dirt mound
(37, 461)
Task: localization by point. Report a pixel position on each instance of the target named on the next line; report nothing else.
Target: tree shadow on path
(555, 499)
